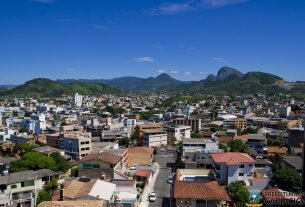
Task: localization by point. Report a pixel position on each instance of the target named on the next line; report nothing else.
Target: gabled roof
(99, 189)
(294, 161)
(18, 177)
(232, 158)
(148, 150)
(200, 191)
(103, 156)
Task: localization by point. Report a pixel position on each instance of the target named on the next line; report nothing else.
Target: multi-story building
(140, 128)
(233, 166)
(228, 120)
(194, 123)
(178, 133)
(76, 144)
(23, 138)
(21, 188)
(154, 138)
(285, 111)
(78, 100)
(197, 152)
(257, 143)
(241, 123)
(53, 140)
(100, 165)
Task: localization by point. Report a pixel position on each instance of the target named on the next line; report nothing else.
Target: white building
(178, 133)
(227, 119)
(154, 138)
(233, 166)
(20, 188)
(199, 144)
(78, 100)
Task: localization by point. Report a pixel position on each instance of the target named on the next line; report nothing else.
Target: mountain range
(227, 81)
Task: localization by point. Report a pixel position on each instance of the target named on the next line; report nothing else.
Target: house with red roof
(233, 166)
(195, 194)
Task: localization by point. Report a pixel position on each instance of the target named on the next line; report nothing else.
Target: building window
(96, 166)
(241, 174)
(27, 183)
(250, 165)
(242, 166)
(13, 186)
(87, 165)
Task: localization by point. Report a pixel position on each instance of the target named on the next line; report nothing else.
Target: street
(166, 160)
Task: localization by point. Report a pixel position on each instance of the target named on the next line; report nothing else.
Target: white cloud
(100, 27)
(221, 3)
(173, 72)
(143, 59)
(172, 8)
(187, 73)
(43, 1)
(166, 8)
(204, 73)
(161, 71)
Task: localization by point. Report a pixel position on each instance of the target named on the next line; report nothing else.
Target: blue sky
(188, 39)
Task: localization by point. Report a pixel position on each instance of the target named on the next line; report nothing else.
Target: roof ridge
(216, 192)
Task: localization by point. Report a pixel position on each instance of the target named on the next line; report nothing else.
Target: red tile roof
(257, 180)
(141, 150)
(232, 158)
(103, 156)
(200, 191)
(143, 173)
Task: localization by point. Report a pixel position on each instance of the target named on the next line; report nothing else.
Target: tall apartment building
(78, 100)
(233, 166)
(241, 123)
(154, 138)
(139, 129)
(76, 144)
(194, 123)
(178, 133)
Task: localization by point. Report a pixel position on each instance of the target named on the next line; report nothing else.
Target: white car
(170, 179)
(152, 197)
(133, 168)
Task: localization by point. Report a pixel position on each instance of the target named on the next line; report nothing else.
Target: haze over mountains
(227, 81)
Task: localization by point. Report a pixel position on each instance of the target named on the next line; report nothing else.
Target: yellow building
(241, 123)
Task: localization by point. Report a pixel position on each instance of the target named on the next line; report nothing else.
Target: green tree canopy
(33, 161)
(239, 193)
(124, 141)
(236, 145)
(288, 179)
(61, 164)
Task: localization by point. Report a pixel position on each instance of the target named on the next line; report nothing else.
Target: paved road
(166, 161)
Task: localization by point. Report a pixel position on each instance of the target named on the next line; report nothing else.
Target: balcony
(20, 197)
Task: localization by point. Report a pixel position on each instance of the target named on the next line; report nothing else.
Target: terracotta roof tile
(232, 158)
(201, 191)
(141, 150)
(143, 173)
(104, 156)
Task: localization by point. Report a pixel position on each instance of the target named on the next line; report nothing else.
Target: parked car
(152, 196)
(170, 179)
(132, 167)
